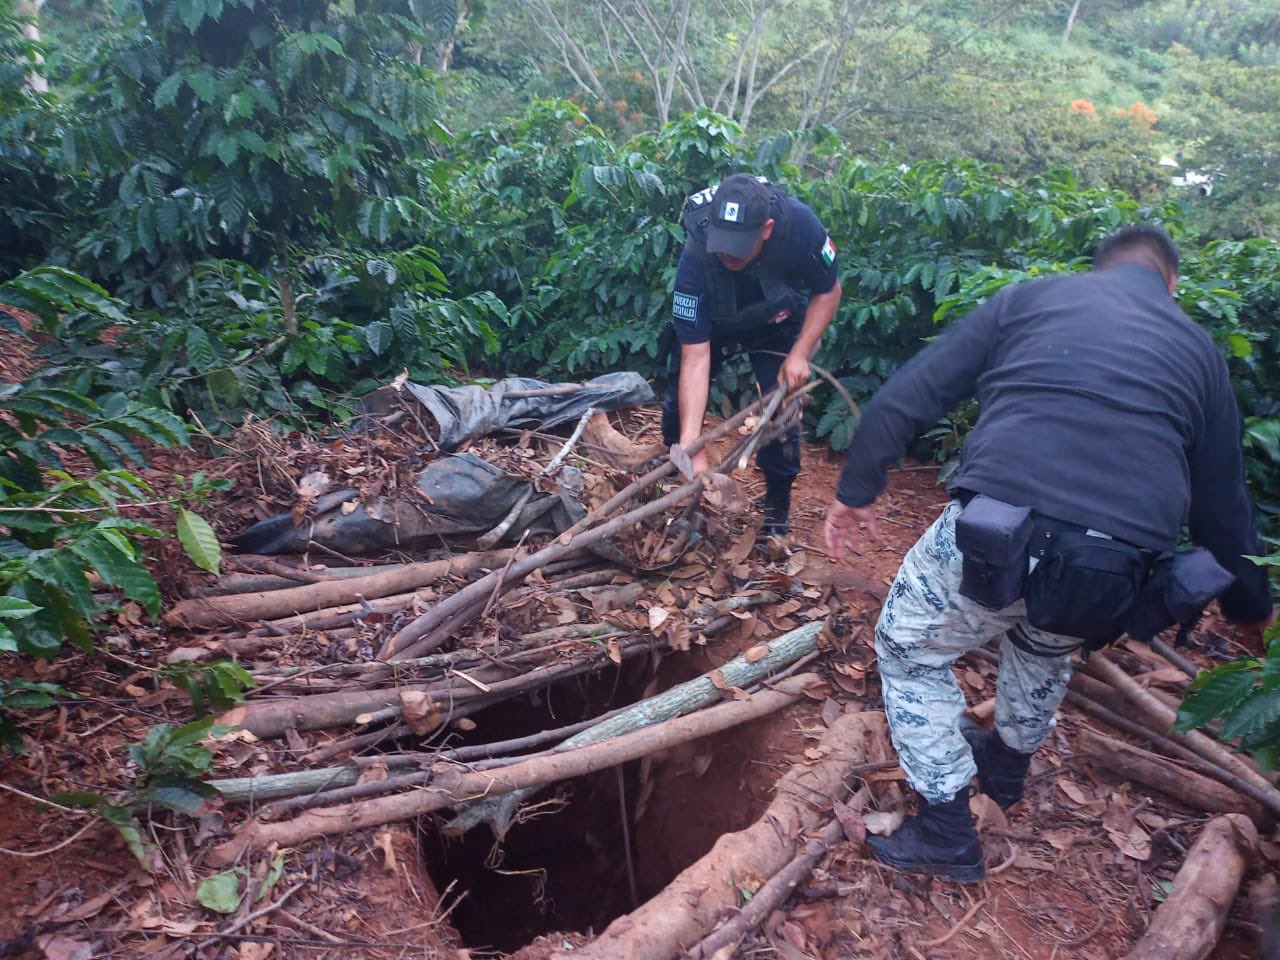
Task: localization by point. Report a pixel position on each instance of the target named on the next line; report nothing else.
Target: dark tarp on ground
(462, 494)
(472, 411)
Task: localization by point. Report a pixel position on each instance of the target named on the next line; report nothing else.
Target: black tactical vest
(727, 318)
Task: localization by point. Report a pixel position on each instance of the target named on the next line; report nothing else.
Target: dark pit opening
(564, 868)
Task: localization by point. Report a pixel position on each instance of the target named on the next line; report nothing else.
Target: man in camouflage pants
(1108, 421)
(925, 624)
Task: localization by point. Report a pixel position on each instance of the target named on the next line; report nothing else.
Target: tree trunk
(1191, 788)
(31, 30)
(1190, 921)
(691, 905)
(1071, 22)
(205, 612)
(451, 787)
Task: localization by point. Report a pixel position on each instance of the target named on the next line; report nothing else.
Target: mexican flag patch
(828, 252)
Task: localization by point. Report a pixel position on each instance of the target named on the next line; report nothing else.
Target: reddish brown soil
(1067, 892)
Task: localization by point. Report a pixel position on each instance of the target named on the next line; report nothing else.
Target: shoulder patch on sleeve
(828, 252)
(684, 306)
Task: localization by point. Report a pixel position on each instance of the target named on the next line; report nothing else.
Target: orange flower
(1083, 106)
(1139, 111)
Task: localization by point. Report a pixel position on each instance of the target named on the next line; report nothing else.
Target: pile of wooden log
(376, 665)
(362, 671)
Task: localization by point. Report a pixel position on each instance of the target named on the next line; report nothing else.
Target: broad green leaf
(221, 892)
(121, 817)
(12, 608)
(192, 13)
(1256, 712)
(378, 335)
(199, 541)
(1216, 692)
(181, 798)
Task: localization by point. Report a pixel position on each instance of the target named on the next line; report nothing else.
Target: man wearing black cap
(758, 274)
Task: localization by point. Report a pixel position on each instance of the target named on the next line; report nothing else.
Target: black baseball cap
(739, 210)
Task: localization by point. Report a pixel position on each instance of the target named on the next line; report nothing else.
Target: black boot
(777, 505)
(1001, 769)
(940, 839)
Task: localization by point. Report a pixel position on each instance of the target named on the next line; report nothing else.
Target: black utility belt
(1077, 582)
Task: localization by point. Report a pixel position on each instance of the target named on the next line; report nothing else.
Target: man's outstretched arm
(694, 387)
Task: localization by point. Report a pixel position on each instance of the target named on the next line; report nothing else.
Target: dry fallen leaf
(382, 840)
(855, 831)
(1060, 840)
(883, 824)
(420, 712)
(1073, 791)
(678, 635)
(1126, 833)
(756, 653)
(615, 652)
(657, 617)
(255, 950)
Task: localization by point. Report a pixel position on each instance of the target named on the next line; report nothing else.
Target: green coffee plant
(168, 769)
(1244, 694)
(214, 686)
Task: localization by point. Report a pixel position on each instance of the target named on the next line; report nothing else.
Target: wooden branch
(1193, 789)
(277, 567)
(254, 789)
(690, 906)
(1190, 921)
(1171, 744)
(271, 717)
(207, 612)
(1175, 658)
(488, 541)
(569, 444)
(451, 786)
(1210, 749)
(777, 889)
(255, 582)
(433, 627)
(424, 633)
(739, 672)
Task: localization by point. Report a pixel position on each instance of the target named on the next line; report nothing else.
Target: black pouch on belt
(994, 537)
(1085, 586)
(1180, 587)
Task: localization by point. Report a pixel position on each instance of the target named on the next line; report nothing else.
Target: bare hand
(842, 528)
(794, 372)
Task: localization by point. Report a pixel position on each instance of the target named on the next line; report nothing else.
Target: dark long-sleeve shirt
(1101, 404)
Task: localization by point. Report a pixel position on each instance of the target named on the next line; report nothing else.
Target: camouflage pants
(924, 626)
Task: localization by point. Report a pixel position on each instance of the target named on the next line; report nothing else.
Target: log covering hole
(562, 866)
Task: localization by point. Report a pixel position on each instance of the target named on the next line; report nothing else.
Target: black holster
(994, 537)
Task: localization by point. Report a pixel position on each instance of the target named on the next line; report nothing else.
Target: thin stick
(41, 800)
(33, 854)
(488, 540)
(770, 409)
(930, 944)
(558, 459)
(626, 837)
(246, 920)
